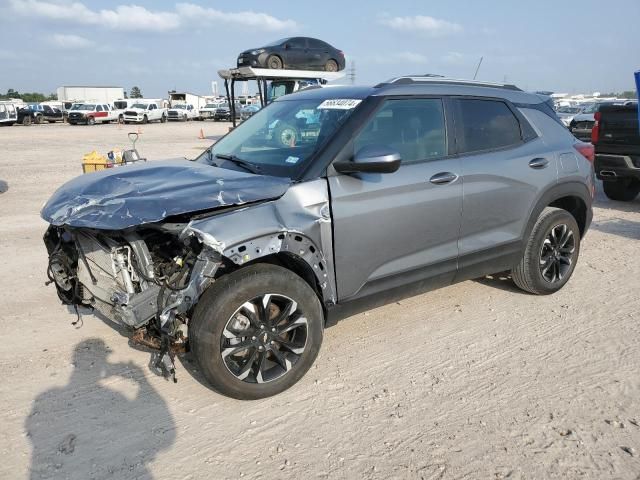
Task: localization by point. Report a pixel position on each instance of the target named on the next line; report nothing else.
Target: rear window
(486, 125)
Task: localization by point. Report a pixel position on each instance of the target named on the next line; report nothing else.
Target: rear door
(318, 53)
(393, 229)
(505, 167)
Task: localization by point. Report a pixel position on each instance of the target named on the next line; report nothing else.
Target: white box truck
(179, 102)
(90, 94)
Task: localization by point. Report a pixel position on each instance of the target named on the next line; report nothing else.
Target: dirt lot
(477, 380)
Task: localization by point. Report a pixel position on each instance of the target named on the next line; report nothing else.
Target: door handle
(539, 163)
(443, 178)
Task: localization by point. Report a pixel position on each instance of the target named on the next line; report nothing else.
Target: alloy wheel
(264, 338)
(556, 254)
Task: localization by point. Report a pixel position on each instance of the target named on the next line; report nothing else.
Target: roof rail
(438, 79)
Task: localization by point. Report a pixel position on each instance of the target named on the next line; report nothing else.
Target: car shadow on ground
(107, 421)
(4, 186)
(501, 281)
(618, 226)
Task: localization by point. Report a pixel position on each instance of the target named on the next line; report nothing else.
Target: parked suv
(326, 198)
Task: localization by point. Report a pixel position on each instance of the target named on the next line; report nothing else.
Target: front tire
(91, 121)
(274, 62)
(622, 190)
(163, 119)
(145, 120)
(551, 253)
(255, 332)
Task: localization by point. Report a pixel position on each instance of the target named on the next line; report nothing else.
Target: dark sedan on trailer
(301, 53)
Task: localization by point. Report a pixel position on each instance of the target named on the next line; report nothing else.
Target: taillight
(587, 150)
(595, 131)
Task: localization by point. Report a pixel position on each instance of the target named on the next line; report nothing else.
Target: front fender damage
(150, 277)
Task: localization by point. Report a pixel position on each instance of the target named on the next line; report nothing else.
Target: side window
(317, 44)
(486, 125)
(413, 127)
(298, 42)
(98, 108)
(2, 108)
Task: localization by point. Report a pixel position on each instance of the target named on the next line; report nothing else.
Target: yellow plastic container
(93, 161)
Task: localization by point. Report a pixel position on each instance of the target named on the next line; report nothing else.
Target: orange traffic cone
(201, 135)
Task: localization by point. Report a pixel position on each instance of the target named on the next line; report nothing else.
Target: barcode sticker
(339, 104)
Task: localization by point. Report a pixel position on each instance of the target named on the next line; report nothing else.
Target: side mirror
(371, 159)
(287, 46)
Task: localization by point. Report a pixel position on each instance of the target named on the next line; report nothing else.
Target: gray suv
(322, 203)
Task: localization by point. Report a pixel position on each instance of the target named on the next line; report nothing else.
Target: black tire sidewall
(539, 233)
(223, 298)
(622, 190)
(331, 62)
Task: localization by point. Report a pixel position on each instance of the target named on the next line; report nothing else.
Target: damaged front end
(147, 279)
(140, 245)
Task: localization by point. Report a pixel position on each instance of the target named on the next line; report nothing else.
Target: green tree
(135, 92)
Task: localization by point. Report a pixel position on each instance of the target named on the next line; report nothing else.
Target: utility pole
(477, 68)
(351, 75)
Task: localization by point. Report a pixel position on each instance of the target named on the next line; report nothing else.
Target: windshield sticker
(292, 159)
(339, 104)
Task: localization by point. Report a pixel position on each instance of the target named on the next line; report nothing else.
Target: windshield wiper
(238, 161)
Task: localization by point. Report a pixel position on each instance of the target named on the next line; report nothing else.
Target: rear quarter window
(486, 125)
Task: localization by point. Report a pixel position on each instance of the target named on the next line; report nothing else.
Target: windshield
(210, 105)
(180, 107)
(276, 43)
(590, 108)
(143, 106)
(282, 137)
(86, 107)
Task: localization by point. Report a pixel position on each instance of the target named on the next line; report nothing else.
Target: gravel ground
(477, 380)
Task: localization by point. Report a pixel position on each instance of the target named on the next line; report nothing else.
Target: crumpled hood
(131, 195)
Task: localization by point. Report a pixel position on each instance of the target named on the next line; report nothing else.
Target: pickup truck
(183, 112)
(92, 113)
(145, 113)
(50, 114)
(617, 150)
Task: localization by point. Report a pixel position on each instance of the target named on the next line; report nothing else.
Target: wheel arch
(574, 197)
(291, 250)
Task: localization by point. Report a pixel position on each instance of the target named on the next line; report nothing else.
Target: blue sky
(571, 47)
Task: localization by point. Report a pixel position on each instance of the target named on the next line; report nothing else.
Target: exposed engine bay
(147, 279)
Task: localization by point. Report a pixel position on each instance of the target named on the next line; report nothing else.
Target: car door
(504, 167)
(296, 53)
(393, 229)
(318, 53)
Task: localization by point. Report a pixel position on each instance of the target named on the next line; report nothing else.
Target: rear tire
(551, 253)
(623, 190)
(274, 62)
(163, 119)
(38, 119)
(223, 305)
(331, 66)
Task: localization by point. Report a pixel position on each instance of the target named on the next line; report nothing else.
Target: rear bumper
(611, 167)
